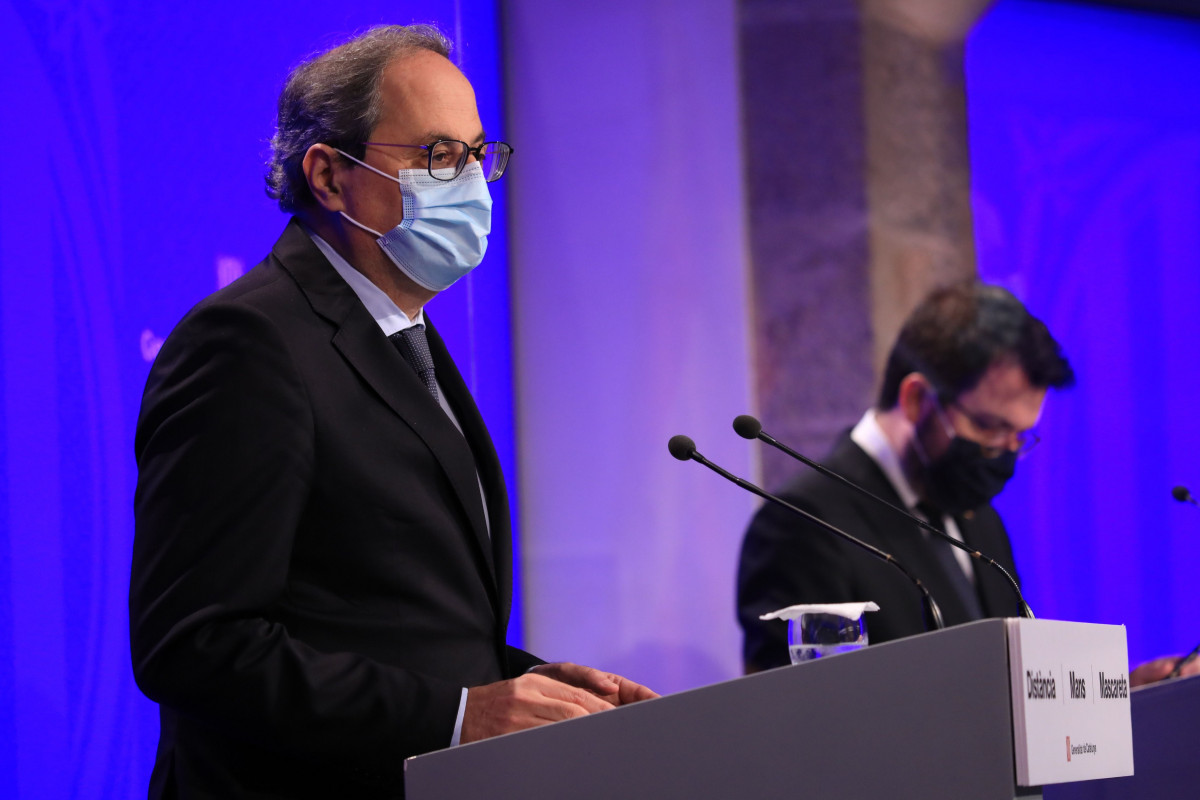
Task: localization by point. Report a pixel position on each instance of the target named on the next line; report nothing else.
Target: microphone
(748, 427)
(684, 449)
(1182, 494)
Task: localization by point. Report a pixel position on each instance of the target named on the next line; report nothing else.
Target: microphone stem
(932, 614)
(1026, 611)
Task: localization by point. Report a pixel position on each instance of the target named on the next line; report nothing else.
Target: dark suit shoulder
(267, 289)
(787, 559)
(834, 502)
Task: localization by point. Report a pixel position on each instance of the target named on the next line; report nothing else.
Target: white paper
(847, 610)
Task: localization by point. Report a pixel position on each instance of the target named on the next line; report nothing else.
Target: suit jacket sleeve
(225, 451)
(520, 662)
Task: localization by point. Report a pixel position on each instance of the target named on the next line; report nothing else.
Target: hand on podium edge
(547, 693)
(1160, 668)
(612, 688)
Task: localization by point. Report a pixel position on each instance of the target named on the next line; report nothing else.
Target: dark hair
(335, 98)
(959, 332)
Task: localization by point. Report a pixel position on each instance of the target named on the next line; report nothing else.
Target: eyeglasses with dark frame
(449, 157)
(1000, 432)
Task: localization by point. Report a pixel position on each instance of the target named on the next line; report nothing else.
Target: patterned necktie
(413, 345)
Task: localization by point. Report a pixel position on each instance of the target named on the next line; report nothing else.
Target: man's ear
(320, 167)
(915, 390)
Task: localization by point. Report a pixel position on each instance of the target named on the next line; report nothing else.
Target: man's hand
(609, 687)
(1159, 668)
(547, 693)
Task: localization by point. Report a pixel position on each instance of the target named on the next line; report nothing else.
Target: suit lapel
(363, 345)
(902, 538)
(458, 395)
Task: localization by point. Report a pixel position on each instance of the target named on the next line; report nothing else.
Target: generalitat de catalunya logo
(1085, 749)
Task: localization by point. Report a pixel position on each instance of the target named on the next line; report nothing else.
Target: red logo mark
(1068, 748)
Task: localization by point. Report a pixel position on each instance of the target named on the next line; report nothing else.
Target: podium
(1166, 724)
(926, 717)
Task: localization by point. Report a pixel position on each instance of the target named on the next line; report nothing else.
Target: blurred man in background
(962, 394)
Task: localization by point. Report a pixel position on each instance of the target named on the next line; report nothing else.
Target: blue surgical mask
(443, 235)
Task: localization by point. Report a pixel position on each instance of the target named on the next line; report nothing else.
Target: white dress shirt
(868, 435)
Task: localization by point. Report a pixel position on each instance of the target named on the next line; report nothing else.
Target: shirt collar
(868, 435)
(385, 312)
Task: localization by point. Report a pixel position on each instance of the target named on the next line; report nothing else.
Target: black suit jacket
(787, 560)
(313, 580)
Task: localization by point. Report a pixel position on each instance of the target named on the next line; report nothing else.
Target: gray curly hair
(334, 98)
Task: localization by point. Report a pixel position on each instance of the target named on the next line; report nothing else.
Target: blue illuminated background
(1085, 156)
(135, 137)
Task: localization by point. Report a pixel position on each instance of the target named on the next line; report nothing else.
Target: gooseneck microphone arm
(748, 427)
(684, 449)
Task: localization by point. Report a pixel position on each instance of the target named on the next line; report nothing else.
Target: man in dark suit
(961, 395)
(321, 574)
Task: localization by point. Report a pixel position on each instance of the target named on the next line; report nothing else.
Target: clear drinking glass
(816, 635)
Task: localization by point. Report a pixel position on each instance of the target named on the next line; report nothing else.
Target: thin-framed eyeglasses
(998, 435)
(449, 157)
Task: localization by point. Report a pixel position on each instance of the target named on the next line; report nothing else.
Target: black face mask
(962, 478)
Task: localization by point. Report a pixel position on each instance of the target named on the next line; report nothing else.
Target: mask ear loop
(919, 449)
(931, 393)
(392, 178)
(947, 426)
(405, 192)
(353, 221)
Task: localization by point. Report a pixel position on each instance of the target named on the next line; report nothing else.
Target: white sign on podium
(1070, 693)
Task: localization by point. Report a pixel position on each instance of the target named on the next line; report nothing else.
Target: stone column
(857, 180)
(918, 164)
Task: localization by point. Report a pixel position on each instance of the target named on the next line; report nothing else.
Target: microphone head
(1181, 494)
(682, 447)
(747, 426)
